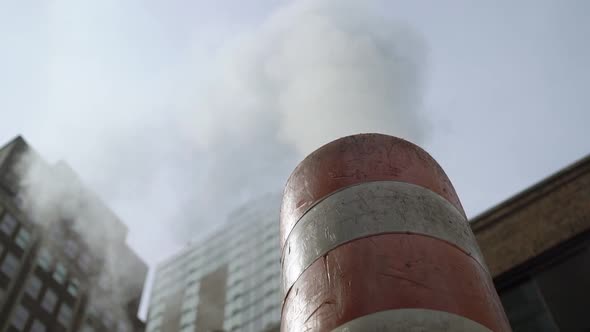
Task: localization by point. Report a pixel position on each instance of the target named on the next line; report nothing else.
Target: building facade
(228, 282)
(537, 246)
(62, 271)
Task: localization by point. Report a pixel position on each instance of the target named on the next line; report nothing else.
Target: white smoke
(324, 69)
(53, 196)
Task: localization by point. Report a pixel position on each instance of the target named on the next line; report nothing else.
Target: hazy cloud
(322, 69)
(176, 130)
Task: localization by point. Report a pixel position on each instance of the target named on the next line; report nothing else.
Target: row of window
(187, 327)
(240, 283)
(20, 319)
(154, 324)
(183, 278)
(245, 246)
(206, 254)
(188, 317)
(48, 303)
(269, 291)
(242, 270)
(10, 265)
(43, 295)
(257, 323)
(60, 272)
(70, 248)
(259, 313)
(252, 307)
(34, 286)
(217, 247)
(189, 305)
(8, 226)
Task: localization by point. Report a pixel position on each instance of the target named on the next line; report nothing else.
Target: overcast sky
(177, 111)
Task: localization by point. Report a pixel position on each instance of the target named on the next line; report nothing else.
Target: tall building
(227, 282)
(64, 264)
(537, 246)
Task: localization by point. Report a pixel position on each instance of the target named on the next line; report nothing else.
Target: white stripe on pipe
(411, 320)
(373, 208)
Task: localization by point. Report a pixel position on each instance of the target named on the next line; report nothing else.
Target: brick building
(537, 246)
(55, 275)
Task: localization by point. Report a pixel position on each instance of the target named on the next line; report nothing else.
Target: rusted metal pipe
(374, 238)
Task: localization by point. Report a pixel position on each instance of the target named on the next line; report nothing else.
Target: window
(49, 300)
(73, 287)
(10, 265)
(64, 315)
(33, 287)
(23, 238)
(71, 248)
(20, 317)
(8, 224)
(84, 262)
(37, 326)
(44, 259)
(60, 273)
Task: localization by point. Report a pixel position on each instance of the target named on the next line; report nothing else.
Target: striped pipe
(374, 238)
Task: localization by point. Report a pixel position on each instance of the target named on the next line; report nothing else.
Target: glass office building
(227, 282)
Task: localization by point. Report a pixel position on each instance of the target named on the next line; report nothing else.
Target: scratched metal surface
(391, 271)
(357, 159)
(369, 209)
(411, 320)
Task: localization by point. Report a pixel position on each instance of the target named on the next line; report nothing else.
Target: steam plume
(173, 146)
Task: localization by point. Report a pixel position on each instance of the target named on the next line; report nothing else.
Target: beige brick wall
(543, 216)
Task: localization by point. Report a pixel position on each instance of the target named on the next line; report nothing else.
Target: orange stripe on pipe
(391, 271)
(357, 159)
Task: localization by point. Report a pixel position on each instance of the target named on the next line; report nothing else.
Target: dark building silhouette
(537, 246)
(67, 268)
